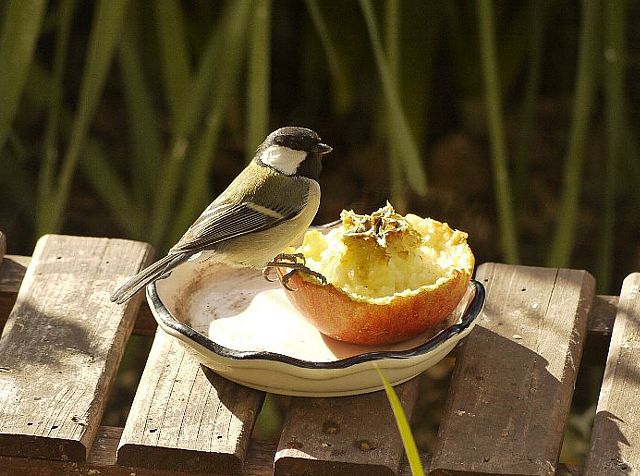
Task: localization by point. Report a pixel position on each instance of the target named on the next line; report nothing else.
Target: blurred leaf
(98, 171)
(507, 224)
(411, 31)
(615, 27)
(173, 51)
(225, 81)
(421, 33)
(18, 190)
(20, 29)
(258, 76)
(410, 448)
(512, 19)
(392, 39)
(539, 20)
(632, 156)
(141, 114)
(111, 191)
(513, 44)
(341, 87)
(105, 33)
(52, 127)
(187, 119)
(400, 133)
(465, 63)
(38, 89)
(269, 422)
(564, 237)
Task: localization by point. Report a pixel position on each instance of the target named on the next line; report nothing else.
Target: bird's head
(293, 151)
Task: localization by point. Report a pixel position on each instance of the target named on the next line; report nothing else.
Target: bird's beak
(322, 149)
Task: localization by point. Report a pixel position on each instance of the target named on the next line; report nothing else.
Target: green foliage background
(513, 121)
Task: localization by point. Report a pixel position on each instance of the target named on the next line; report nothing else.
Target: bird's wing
(222, 221)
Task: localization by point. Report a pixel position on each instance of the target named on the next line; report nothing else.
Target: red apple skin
(336, 315)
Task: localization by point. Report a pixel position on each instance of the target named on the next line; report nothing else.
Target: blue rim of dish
(166, 319)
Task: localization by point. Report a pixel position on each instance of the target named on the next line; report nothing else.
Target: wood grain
(12, 270)
(102, 462)
(514, 377)
(615, 438)
(344, 435)
(185, 417)
(62, 344)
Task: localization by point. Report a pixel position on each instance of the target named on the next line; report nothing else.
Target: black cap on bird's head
(299, 138)
(293, 151)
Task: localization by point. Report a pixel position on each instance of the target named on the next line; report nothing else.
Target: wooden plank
(12, 270)
(185, 417)
(62, 344)
(102, 462)
(615, 439)
(511, 388)
(342, 435)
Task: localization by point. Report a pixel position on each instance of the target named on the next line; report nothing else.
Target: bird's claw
(296, 263)
(284, 260)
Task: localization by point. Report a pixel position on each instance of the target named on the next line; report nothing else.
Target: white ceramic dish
(244, 328)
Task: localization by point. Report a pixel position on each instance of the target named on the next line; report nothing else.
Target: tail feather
(146, 276)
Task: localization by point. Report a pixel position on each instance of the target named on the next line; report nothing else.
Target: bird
(267, 207)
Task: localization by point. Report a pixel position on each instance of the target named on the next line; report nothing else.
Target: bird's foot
(296, 263)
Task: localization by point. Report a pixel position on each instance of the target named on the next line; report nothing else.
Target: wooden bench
(506, 408)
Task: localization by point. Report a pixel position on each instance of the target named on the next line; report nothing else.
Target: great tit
(268, 206)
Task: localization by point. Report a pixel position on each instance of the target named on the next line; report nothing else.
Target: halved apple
(389, 277)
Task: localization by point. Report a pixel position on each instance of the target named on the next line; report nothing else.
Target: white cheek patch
(283, 159)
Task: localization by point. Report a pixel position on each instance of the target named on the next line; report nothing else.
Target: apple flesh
(390, 277)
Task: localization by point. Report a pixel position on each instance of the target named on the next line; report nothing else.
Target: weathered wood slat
(185, 417)
(101, 462)
(62, 344)
(615, 439)
(12, 270)
(513, 381)
(344, 435)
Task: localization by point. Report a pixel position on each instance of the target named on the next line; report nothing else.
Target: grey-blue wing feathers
(220, 222)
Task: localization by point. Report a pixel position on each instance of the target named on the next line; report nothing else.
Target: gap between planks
(615, 438)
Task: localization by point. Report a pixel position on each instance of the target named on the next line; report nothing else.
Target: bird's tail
(146, 276)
